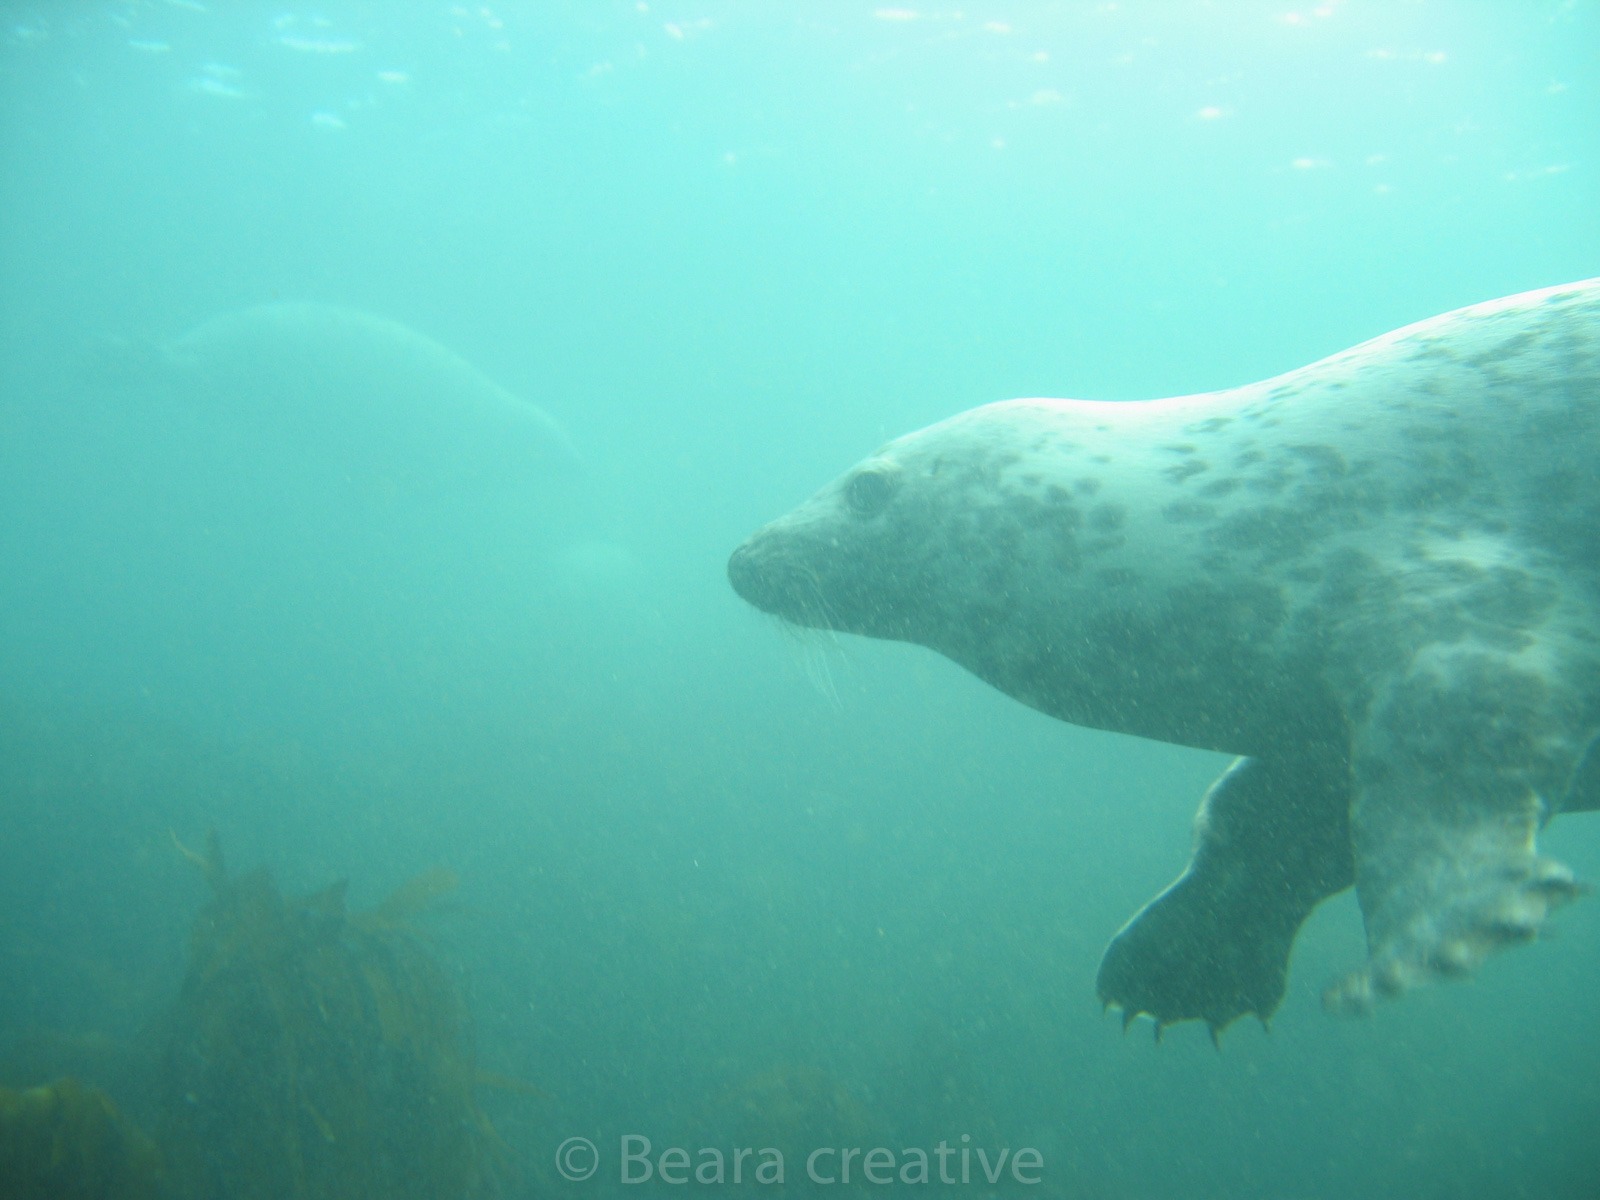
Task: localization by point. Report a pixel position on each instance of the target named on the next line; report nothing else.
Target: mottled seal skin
(1375, 578)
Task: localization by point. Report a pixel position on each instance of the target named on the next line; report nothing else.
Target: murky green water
(322, 580)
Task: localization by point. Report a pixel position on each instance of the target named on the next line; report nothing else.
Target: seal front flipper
(1271, 841)
(1465, 755)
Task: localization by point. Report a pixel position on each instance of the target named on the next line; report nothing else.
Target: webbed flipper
(1466, 754)
(1271, 841)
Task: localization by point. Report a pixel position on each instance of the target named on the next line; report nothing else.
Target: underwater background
(720, 884)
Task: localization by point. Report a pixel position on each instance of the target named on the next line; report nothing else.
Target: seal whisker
(814, 659)
(812, 647)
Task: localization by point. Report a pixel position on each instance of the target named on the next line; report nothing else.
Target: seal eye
(869, 492)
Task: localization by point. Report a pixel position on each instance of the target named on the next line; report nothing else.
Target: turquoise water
(364, 618)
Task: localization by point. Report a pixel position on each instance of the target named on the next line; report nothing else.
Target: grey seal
(342, 394)
(1376, 579)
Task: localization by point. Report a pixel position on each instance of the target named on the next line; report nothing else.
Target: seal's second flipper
(1468, 750)
(1271, 842)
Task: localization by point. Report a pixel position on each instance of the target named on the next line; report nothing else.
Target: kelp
(316, 1053)
(68, 1141)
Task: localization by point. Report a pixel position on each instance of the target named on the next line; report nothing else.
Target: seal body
(365, 393)
(1376, 578)
(314, 431)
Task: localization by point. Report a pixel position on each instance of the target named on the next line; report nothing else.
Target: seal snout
(764, 575)
(749, 580)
